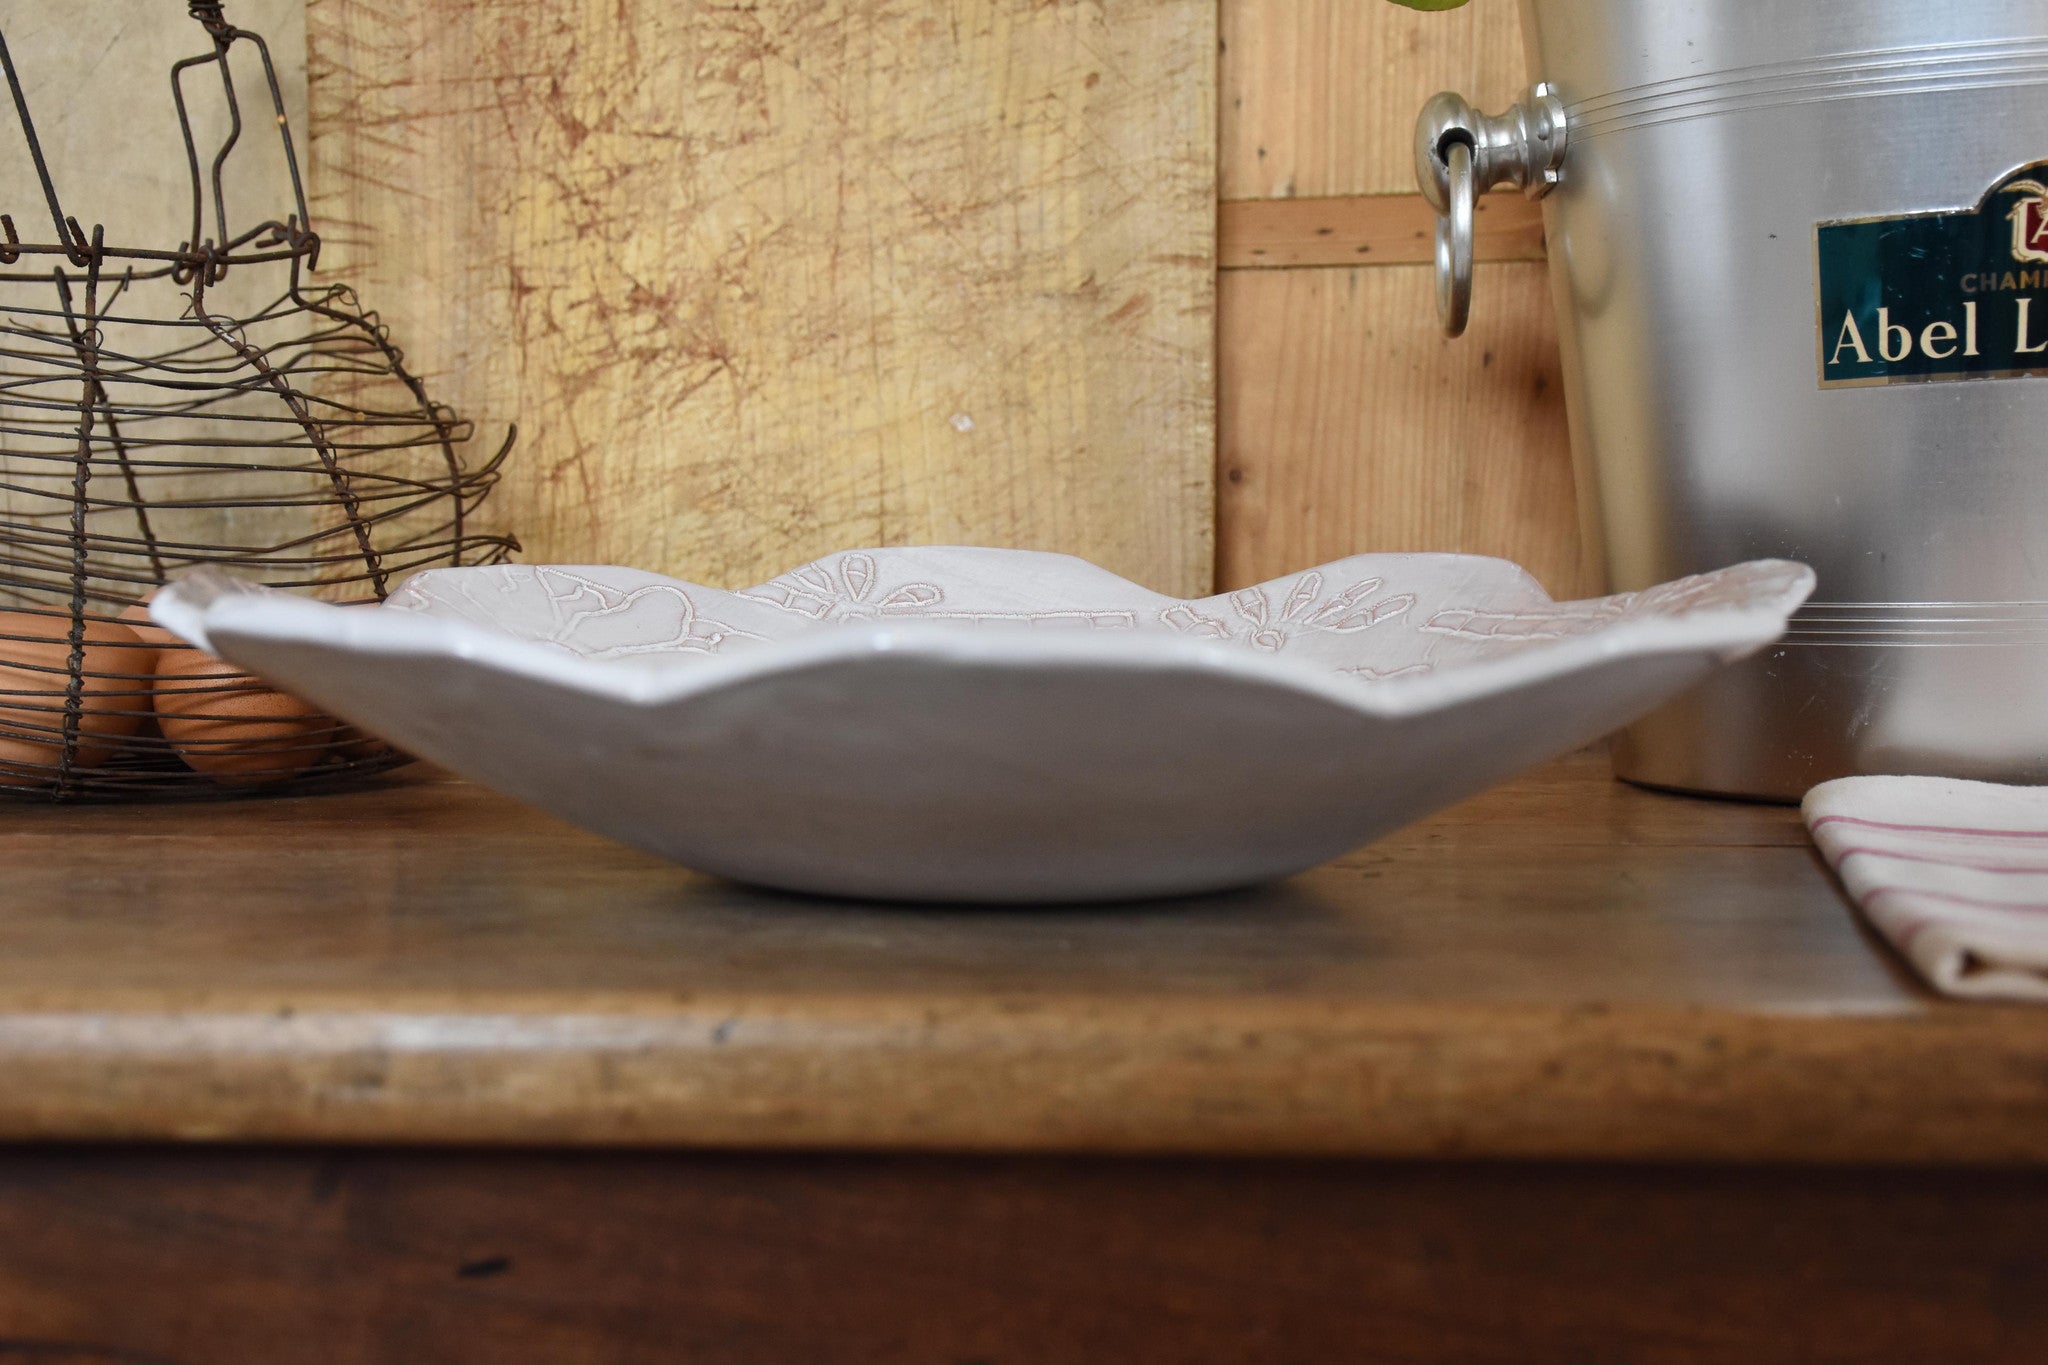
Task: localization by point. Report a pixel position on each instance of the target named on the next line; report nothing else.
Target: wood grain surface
(227, 1257)
(1371, 229)
(1346, 423)
(1386, 439)
(1319, 97)
(1349, 423)
(1563, 968)
(765, 282)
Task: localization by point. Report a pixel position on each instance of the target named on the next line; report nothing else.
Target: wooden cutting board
(760, 282)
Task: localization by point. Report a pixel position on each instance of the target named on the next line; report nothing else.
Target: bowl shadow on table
(1291, 903)
(1281, 902)
(1228, 940)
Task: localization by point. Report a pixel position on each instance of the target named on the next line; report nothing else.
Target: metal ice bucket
(1799, 253)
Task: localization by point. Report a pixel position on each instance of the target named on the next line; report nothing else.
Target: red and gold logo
(2029, 221)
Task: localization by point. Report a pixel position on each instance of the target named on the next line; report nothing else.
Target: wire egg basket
(164, 408)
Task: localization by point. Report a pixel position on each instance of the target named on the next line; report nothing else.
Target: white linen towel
(1954, 874)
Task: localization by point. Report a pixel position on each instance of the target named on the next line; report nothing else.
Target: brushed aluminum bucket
(1705, 166)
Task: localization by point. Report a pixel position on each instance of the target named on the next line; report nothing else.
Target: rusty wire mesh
(154, 418)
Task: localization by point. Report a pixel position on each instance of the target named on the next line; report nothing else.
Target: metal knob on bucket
(1772, 347)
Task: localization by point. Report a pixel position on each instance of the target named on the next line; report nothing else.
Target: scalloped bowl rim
(204, 601)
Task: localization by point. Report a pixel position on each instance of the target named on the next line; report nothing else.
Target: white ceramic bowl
(991, 725)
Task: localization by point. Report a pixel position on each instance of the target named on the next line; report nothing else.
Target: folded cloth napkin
(1954, 874)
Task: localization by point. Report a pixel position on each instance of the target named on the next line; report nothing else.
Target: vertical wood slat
(1319, 96)
(1346, 423)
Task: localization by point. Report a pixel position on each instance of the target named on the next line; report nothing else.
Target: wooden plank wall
(764, 282)
(1346, 422)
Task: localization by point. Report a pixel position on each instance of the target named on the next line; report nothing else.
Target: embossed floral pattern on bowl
(992, 725)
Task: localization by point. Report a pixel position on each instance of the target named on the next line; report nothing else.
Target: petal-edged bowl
(991, 725)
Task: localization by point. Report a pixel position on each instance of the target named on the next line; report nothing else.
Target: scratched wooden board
(762, 282)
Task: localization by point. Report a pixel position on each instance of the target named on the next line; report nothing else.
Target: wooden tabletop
(1565, 967)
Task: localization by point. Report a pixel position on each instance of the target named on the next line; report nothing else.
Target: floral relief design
(1323, 617)
(1304, 610)
(1558, 622)
(1368, 674)
(1732, 589)
(849, 589)
(1729, 589)
(582, 616)
(845, 590)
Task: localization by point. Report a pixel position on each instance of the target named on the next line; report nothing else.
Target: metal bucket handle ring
(1454, 241)
(1460, 154)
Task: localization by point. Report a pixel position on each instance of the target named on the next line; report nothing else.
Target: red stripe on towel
(1951, 898)
(1932, 829)
(2039, 870)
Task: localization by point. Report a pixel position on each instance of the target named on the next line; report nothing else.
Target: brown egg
(154, 636)
(250, 734)
(230, 725)
(35, 680)
(136, 618)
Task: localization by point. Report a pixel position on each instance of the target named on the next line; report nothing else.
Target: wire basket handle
(69, 233)
(208, 184)
(199, 257)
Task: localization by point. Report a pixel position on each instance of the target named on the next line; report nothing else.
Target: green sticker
(1956, 295)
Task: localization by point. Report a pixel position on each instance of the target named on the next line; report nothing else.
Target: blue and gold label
(1959, 295)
